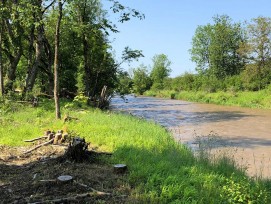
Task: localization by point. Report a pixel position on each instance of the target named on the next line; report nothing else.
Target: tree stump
(77, 150)
(64, 137)
(51, 136)
(57, 138)
(47, 133)
(120, 168)
(64, 179)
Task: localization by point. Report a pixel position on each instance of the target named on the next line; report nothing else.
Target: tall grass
(160, 169)
(259, 99)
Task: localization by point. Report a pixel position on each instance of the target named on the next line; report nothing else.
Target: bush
(243, 191)
(234, 83)
(79, 101)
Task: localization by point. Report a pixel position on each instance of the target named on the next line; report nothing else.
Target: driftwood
(51, 137)
(38, 138)
(43, 144)
(48, 180)
(94, 190)
(74, 198)
(68, 118)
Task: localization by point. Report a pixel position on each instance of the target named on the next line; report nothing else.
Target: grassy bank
(160, 169)
(259, 99)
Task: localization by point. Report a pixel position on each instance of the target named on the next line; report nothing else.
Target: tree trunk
(32, 75)
(30, 59)
(1, 61)
(2, 91)
(15, 33)
(86, 67)
(49, 72)
(12, 70)
(56, 61)
(33, 67)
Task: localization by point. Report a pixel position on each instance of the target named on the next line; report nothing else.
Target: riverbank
(260, 99)
(160, 169)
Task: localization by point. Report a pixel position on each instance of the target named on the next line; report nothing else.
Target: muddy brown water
(242, 133)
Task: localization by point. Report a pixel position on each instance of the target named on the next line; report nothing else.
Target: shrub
(243, 191)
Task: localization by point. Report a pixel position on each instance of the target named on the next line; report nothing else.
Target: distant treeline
(229, 57)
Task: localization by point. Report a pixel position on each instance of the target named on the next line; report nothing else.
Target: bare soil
(30, 178)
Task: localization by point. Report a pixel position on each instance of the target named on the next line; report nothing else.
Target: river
(242, 133)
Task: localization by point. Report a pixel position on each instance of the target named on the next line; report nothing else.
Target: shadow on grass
(174, 174)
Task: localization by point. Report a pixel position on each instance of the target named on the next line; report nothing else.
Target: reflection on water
(245, 130)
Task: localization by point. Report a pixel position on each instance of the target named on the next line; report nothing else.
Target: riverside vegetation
(259, 99)
(233, 66)
(229, 58)
(160, 169)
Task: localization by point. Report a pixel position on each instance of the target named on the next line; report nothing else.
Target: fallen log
(35, 139)
(74, 198)
(43, 144)
(48, 180)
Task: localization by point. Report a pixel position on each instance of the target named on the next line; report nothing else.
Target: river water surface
(242, 133)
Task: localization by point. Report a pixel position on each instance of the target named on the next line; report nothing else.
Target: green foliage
(160, 169)
(257, 49)
(7, 106)
(243, 190)
(215, 48)
(128, 54)
(234, 83)
(160, 70)
(125, 83)
(79, 101)
(141, 80)
(230, 57)
(86, 62)
(260, 99)
(183, 82)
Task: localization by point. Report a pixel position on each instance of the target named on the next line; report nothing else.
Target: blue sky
(170, 25)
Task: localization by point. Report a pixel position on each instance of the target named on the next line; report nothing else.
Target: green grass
(259, 99)
(160, 169)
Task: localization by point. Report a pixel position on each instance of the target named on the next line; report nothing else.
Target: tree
(257, 51)
(125, 83)
(1, 63)
(184, 82)
(259, 34)
(161, 70)
(29, 32)
(215, 48)
(13, 46)
(92, 27)
(1, 47)
(200, 52)
(56, 61)
(141, 80)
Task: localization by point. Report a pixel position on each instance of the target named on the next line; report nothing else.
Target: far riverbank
(258, 99)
